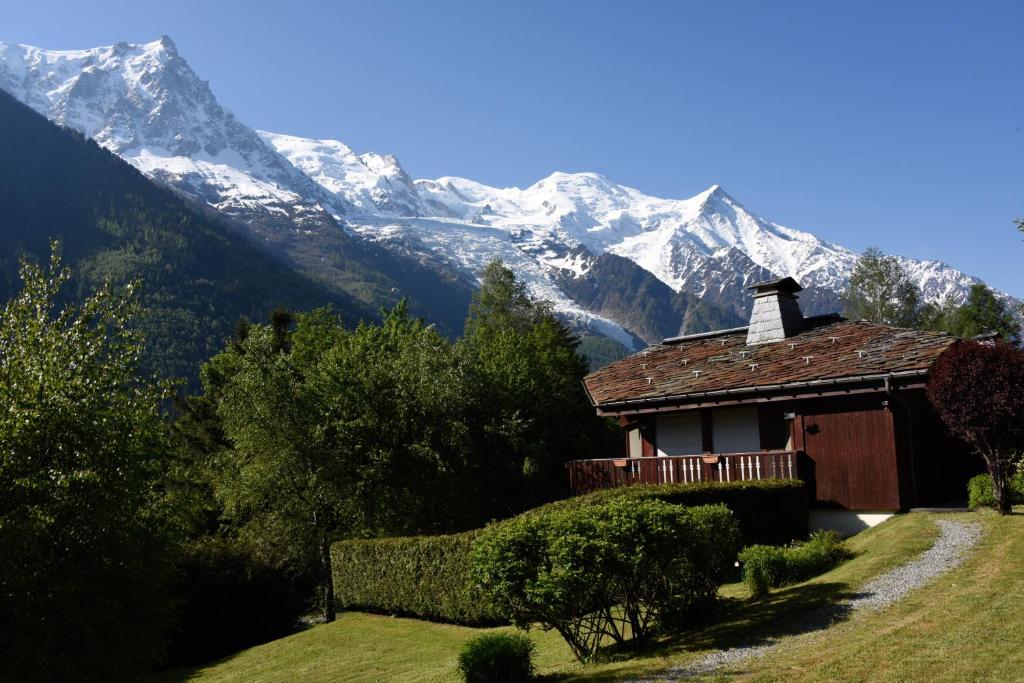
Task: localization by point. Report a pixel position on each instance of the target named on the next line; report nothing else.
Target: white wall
(735, 430)
(678, 434)
(846, 522)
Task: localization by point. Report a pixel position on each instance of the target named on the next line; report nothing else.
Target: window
(679, 434)
(735, 430)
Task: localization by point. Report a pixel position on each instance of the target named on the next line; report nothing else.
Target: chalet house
(838, 403)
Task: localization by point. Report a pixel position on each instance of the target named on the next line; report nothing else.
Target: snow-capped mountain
(146, 104)
(599, 251)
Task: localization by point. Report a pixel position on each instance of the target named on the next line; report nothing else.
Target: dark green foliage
(84, 538)
(982, 313)
(766, 567)
(610, 570)
(979, 491)
(527, 408)
(770, 511)
(497, 658)
(428, 577)
(199, 275)
(228, 598)
(880, 290)
(600, 351)
(320, 433)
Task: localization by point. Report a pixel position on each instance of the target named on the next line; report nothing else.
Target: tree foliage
(976, 389)
(983, 312)
(607, 571)
(82, 526)
(880, 290)
(308, 432)
(531, 406)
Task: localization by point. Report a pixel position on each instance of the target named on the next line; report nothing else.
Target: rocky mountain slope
(114, 225)
(614, 261)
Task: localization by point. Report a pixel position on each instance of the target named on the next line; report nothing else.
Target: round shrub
(613, 570)
(980, 495)
(497, 658)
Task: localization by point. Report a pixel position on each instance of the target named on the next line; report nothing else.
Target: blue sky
(899, 125)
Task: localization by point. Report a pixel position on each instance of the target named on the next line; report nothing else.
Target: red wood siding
(851, 456)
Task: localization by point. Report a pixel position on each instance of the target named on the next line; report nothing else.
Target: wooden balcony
(605, 473)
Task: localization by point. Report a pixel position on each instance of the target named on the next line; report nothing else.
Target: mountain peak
(164, 43)
(715, 191)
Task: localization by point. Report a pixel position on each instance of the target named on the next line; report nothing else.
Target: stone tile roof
(829, 348)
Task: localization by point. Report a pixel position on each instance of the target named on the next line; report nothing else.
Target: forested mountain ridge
(199, 274)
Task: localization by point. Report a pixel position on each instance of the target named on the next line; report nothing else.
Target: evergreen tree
(529, 377)
(880, 290)
(983, 312)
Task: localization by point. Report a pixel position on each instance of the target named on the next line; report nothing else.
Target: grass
(968, 625)
(364, 647)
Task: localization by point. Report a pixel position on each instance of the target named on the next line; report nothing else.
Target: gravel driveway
(949, 551)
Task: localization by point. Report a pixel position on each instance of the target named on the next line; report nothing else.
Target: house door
(850, 458)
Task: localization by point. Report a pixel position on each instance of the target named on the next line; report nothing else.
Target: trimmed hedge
(979, 491)
(766, 567)
(769, 511)
(229, 598)
(429, 577)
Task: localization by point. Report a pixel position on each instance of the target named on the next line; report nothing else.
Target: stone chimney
(776, 313)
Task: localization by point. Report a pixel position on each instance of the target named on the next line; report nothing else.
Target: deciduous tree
(880, 290)
(976, 389)
(83, 533)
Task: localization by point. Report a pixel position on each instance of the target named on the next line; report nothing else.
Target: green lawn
(968, 625)
(950, 630)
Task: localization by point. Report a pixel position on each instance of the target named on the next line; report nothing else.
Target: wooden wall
(864, 452)
(849, 452)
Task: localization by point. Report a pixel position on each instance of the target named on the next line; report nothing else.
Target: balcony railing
(606, 473)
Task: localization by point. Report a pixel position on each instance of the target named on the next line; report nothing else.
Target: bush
(428, 577)
(769, 511)
(766, 567)
(497, 658)
(606, 570)
(979, 491)
(229, 599)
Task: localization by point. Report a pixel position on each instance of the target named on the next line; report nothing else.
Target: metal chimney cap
(786, 285)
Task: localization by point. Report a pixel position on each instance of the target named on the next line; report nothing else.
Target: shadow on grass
(740, 623)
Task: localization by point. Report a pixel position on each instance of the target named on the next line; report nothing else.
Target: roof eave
(611, 407)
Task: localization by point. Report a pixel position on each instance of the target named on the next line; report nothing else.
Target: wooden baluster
(759, 468)
(789, 457)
